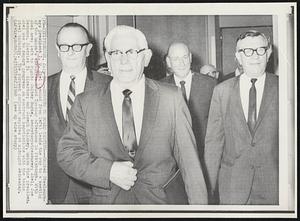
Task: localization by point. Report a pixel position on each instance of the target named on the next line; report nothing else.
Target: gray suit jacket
(245, 166)
(91, 143)
(60, 188)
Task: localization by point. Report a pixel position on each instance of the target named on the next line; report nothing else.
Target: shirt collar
(245, 77)
(188, 78)
(80, 75)
(134, 88)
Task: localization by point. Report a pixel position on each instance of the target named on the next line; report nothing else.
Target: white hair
(123, 29)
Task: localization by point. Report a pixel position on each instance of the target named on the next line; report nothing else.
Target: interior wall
(54, 24)
(160, 31)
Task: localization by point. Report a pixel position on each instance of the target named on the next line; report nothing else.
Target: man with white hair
(132, 138)
(241, 143)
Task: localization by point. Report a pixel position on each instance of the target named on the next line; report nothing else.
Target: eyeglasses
(75, 47)
(176, 59)
(131, 53)
(248, 52)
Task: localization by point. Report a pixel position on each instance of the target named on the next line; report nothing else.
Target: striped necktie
(71, 96)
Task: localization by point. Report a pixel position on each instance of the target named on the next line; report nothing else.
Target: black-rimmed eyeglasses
(248, 52)
(75, 47)
(131, 53)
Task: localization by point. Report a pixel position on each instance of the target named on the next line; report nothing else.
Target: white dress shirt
(187, 85)
(245, 85)
(137, 100)
(65, 79)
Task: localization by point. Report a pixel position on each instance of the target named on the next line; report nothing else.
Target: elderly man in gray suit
(241, 144)
(129, 139)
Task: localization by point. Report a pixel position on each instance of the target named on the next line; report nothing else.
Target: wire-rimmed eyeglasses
(75, 47)
(131, 53)
(248, 52)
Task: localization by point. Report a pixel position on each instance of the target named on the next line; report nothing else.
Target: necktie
(71, 96)
(252, 106)
(129, 137)
(182, 83)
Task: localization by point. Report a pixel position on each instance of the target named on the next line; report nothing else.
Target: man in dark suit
(197, 91)
(241, 144)
(129, 139)
(73, 47)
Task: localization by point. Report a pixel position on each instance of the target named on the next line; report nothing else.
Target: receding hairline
(178, 44)
(125, 30)
(81, 28)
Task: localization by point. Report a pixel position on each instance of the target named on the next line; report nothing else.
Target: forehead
(124, 42)
(252, 42)
(178, 50)
(72, 35)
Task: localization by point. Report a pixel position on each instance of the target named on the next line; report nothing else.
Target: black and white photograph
(150, 110)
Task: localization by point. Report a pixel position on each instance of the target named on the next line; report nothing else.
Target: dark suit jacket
(228, 76)
(58, 181)
(91, 143)
(201, 91)
(245, 166)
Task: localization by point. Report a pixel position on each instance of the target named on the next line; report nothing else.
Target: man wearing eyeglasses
(73, 48)
(241, 144)
(128, 140)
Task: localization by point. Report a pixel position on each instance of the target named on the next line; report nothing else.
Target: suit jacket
(245, 166)
(58, 182)
(200, 96)
(91, 143)
(228, 76)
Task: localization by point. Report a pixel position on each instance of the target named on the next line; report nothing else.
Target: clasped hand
(123, 174)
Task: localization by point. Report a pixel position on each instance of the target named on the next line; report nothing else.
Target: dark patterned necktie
(71, 96)
(129, 137)
(252, 106)
(182, 83)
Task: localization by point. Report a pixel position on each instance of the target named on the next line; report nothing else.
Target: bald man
(197, 89)
(73, 47)
(209, 70)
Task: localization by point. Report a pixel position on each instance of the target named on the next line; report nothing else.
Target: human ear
(148, 55)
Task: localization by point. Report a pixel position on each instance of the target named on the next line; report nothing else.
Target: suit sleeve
(186, 155)
(73, 155)
(214, 139)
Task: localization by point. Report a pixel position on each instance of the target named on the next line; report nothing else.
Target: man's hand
(122, 174)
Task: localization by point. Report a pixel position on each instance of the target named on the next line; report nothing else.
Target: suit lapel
(266, 100)
(195, 85)
(236, 106)
(149, 115)
(89, 80)
(107, 114)
(58, 107)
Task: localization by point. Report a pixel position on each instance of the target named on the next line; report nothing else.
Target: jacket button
(252, 144)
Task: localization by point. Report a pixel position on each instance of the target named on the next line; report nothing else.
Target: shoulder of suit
(227, 84)
(54, 76)
(162, 86)
(53, 80)
(101, 77)
(204, 78)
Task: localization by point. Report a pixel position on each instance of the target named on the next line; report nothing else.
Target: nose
(255, 55)
(71, 52)
(124, 58)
